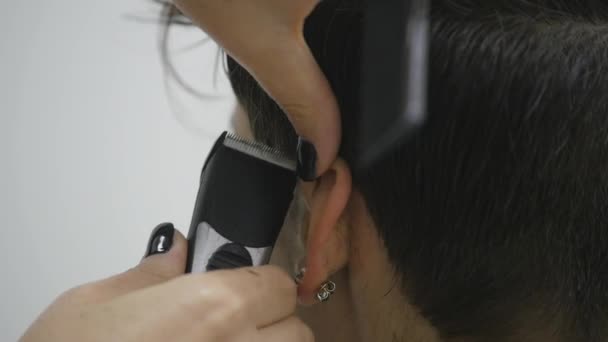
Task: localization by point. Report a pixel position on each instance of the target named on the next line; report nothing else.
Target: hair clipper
(245, 191)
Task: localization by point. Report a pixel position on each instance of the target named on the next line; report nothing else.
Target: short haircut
(497, 210)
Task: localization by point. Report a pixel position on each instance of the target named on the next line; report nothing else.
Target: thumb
(164, 260)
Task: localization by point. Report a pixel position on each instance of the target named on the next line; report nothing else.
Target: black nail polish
(161, 239)
(307, 160)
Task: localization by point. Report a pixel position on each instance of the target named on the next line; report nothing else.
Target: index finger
(263, 295)
(295, 81)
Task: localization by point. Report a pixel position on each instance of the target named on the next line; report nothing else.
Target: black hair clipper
(245, 191)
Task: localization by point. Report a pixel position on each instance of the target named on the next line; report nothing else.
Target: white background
(93, 152)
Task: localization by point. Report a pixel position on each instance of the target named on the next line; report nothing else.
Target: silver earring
(327, 289)
(298, 278)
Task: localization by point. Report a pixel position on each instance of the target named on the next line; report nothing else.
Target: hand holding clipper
(155, 302)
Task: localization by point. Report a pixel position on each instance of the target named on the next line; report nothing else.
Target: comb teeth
(260, 151)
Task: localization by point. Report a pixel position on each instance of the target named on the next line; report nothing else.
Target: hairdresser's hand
(266, 37)
(155, 302)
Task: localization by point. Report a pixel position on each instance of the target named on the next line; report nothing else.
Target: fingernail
(161, 239)
(307, 160)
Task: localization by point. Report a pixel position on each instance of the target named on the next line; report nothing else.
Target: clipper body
(245, 191)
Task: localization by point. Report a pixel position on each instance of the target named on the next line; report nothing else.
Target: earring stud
(327, 289)
(300, 275)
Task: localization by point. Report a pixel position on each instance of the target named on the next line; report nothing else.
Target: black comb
(394, 75)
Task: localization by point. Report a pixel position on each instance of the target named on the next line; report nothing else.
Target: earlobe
(328, 238)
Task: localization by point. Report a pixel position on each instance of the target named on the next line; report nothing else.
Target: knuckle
(82, 293)
(234, 304)
(230, 314)
(215, 295)
(231, 310)
(150, 274)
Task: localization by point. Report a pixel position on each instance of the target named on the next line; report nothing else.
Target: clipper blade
(260, 151)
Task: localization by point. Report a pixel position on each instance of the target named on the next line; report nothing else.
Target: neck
(384, 313)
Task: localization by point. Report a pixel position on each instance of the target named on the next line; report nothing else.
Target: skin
(155, 302)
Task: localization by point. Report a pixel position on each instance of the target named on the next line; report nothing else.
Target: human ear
(327, 239)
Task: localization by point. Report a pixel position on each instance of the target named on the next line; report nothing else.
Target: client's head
(491, 224)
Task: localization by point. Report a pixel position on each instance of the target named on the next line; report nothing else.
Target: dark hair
(497, 210)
